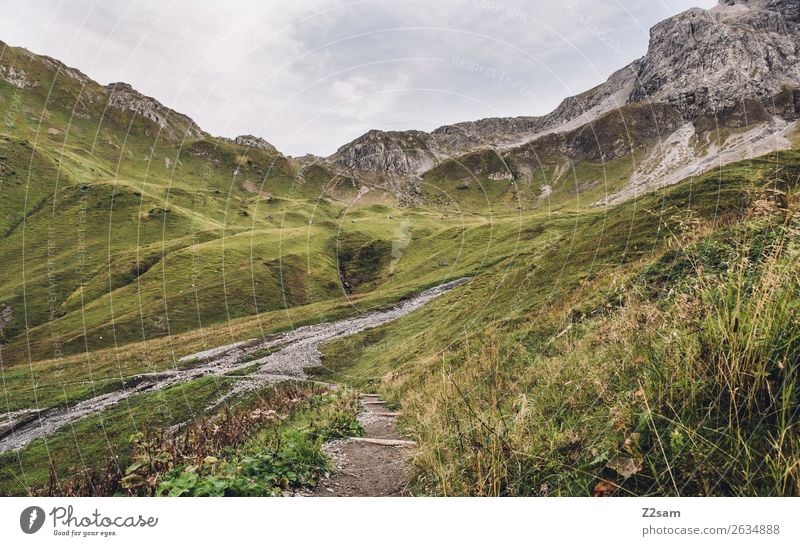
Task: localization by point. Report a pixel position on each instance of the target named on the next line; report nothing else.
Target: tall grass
(733, 419)
(687, 389)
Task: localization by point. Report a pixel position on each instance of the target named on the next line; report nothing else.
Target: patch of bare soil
(250, 186)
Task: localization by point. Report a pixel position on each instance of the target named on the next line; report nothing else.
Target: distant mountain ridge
(734, 66)
(380, 150)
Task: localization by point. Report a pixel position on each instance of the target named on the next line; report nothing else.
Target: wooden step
(384, 441)
(385, 413)
(373, 402)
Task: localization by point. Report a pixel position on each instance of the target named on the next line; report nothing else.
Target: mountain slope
(637, 348)
(165, 198)
(121, 220)
(68, 88)
(729, 72)
(460, 138)
(651, 350)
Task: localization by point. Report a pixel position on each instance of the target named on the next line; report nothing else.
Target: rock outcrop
(704, 62)
(17, 77)
(251, 141)
(403, 152)
(735, 65)
(174, 125)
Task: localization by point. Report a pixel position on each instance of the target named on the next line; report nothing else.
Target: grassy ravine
(657, 354)
(267, 443)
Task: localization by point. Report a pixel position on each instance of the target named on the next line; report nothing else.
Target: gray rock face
(6, 314)
(463, 137)
(700, 62)
(404, 152)
(414, 152)
(789, 9)
(703, 62)
(17, 77)
(254, 142)
(173, 124)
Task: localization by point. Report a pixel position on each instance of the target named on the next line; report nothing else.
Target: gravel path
(294, 352)
(363, 466)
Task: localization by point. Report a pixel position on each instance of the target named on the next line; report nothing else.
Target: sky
(311, 75)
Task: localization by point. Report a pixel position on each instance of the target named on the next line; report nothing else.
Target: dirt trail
(294, 352)
(377, 465)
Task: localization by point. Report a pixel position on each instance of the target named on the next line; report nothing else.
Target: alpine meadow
(600, 301)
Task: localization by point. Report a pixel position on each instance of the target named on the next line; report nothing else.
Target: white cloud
(308, 75)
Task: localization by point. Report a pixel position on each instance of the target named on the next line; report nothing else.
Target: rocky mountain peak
(254, 142)
(789, 9)
(402, 152)
(175, 125)
(699, 62)
(705, 61)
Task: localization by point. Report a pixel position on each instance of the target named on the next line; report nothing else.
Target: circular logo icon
(31, 519)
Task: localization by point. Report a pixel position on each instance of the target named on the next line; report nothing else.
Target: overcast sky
(310, 75)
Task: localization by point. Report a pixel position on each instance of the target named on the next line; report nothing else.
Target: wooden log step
(384, 441)
(386, 413)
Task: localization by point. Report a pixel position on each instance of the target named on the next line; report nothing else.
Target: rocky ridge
(251, 141)
(732, 66)
(414, 152)
(123, 96)
(60, 85)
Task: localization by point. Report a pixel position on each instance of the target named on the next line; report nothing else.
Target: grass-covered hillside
(115, 227)
(131, 238)
(653, 349)
(646, 348)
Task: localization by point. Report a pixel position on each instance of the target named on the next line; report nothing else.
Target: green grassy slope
(596, 350)
(117, 229)
(653, 350)
(571, 169)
